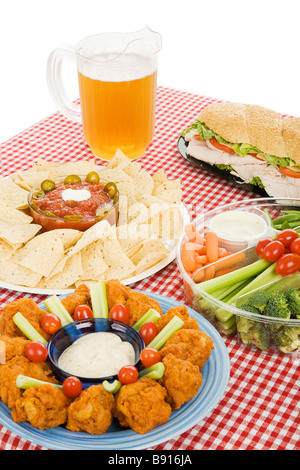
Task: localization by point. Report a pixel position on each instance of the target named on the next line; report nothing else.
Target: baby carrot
(228, 261)
(201, 259)
(188, 259)
(198, 275)
(212, 246)
(209, 272)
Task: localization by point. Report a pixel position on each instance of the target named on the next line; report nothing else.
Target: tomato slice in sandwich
(287, 171)
(219, 146)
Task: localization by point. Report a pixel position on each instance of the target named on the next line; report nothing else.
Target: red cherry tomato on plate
(120, 313)
(261, 245)
(50, 323)
(148, 331)
(288, 264)
(72, 387)
(273, 250)
(150, 356)
(295, 246)
(36, 351)
(128, 375)
(83, 312)
(287, 236)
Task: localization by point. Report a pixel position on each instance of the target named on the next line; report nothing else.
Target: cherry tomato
(36, 351)
(82, 312)
(150, 356)
(50, 323)
(72, 387)
(262, 244)
(148, 331)
(287, 236)
(295, 246)
(120, 313)
(288, 264)
(128, 375)
(272, 251)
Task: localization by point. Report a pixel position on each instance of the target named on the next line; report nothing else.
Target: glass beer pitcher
(117, 76)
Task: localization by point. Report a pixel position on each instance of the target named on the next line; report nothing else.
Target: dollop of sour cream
(238, 225)
(97, 355)
(75, 194)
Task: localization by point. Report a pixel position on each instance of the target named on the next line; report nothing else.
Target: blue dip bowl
(67, 335)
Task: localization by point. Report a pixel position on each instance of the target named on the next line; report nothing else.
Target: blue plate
(215, 376)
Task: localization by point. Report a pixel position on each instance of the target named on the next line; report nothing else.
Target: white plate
(171, 245)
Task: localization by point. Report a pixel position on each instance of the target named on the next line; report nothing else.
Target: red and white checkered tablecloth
(260, 407)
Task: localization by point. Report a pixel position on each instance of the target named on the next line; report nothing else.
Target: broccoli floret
(253, 332)
(287, 338)
(250, 308)
(292, 296)
(259, 300)
(277, 306)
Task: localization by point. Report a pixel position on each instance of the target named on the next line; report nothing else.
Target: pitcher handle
(56, 87)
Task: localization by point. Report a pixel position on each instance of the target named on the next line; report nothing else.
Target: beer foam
(121, 68)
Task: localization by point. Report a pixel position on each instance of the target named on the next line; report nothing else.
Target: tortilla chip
(150, 246)
(82, 167)
(143, 184)
(167, 224)
(114, 174)
(71, 272)
(101, 230)
(150, 260)
(6, 250)
(19, 233)
(12, 195)
(18, 275)
(12, 215)
(93, 264)
(119, 265)
(169, 185)
(159, 177)
(44, 257)
(28, 179)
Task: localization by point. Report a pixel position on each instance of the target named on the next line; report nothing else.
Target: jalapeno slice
(39, 194)
(111, 189)
(47, 185)
(72, 179)
(92, 177)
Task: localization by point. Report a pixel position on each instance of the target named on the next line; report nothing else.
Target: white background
(245, 51)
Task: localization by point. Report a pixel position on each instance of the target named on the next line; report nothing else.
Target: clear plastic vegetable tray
(229, 319)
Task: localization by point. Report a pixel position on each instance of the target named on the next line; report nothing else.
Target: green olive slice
(72, 179)
(92, 177)
(47, 185)
(111, 189)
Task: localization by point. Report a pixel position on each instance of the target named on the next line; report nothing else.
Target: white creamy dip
(238, 225)
(75, 194)
(99, 354)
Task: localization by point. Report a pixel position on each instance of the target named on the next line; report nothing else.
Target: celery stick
(150, 315)
(242, 274)
(162, 337)
(54, 305)
(154, 372)
(112, 387)
(23, 381)
(99, 299)
(29, 331)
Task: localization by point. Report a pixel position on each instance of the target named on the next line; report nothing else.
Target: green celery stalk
(24, 382)
(54, 305)
(234, 277)
(99, 299)
(29, 331)
(150, 315)
(112, 387)
(154, 372)
(162, 337)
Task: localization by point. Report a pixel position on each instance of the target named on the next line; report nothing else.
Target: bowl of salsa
(74, 201)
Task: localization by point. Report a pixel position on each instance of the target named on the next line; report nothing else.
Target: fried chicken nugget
(12, 346)
(29, 309)
(180, 311)
(182, 380)
(9, 392)
(142, 405)
(81, 296)
(190, 345)
(136, 302)
(91, 411)
(43, 407)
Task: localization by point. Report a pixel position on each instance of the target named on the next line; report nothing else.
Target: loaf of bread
(255, 125)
